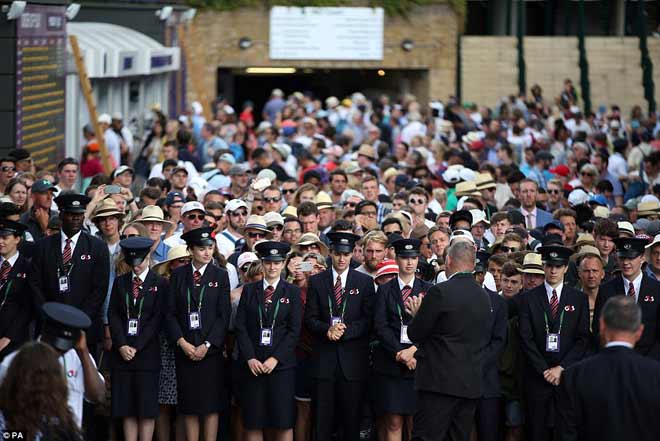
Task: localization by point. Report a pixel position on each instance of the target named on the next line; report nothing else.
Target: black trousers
(540, 417)
(487, 419)
(442, 417)
(337, 400)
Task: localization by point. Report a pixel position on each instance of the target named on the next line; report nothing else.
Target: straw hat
(532, 264)
(585, 239)
(107, 207)
(290, 211)
(625, 227)
(484, 181)
(368, 151)
(588, 250)
(467, 188)
(390, 173)
(255, 222)
(177, 252)
(648, 208)
(153, 213)
(323, 200)
(310, 239)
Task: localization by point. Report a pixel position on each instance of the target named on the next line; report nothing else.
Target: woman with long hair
(33, 396)
(18, 193)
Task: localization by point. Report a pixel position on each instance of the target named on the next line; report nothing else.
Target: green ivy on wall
(391, 7)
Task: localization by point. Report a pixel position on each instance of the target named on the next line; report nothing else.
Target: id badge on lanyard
(195, 321)
(552, 342)
(266, 337)
(335, 320)
(404, 335)
(63, 283)
(133, 325)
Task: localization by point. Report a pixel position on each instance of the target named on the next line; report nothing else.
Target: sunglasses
(416, 201)
(389, 233)
(200, 217)
(256, 235)
(509, 249)
(8, 169)
(553, 191)
(183, 261)
(217, 218)
(587, 174)
(238, 214)
(288, 190)
(125, 236)
(271, 200)
(276, 228)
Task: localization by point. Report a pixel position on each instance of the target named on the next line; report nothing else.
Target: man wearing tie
(633, 282)
(338, 314)
(72, 267)
(554, 334)
(534, 217)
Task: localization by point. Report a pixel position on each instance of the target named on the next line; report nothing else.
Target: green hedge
(391, 7)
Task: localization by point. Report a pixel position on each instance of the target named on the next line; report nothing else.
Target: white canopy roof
(116, 51)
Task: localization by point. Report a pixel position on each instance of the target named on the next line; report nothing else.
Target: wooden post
(196, 77)
(91, 106)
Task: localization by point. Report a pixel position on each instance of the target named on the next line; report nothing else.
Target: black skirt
(200, 384)
(393, 395)
(134, 394)
(267, 401)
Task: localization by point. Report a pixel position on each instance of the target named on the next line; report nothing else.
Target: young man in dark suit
(338, 314)
(633, 282)
(15, 307)
(450, 328)
(613, 395)
(554, 333)
(72, 267)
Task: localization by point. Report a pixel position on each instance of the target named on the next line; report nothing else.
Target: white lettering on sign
(30, 20)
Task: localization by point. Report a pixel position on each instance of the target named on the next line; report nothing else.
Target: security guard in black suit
(268, 323)
(554, 333)
(72, 267)
(633, 282)
(613, 395)
(488, 413)
(393, 388)
(338, 314)
(135, 313)
(15, 295)
(450, 328)
(197, 323)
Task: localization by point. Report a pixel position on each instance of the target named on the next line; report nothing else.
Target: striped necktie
(5, 269)
(66, 255)
(338, 291)
(554, 304)
(268, 296)
(197, 278)
(405, 293)
(631, 290)
(136, 287)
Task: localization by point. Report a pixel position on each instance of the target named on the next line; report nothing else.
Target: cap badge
(554, 255)
(75, 203)
(205, 235)
(409, 247)
(273, 252)
(343, 240)
(626, 246)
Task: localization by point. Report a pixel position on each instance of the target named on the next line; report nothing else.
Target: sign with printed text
(326, 33)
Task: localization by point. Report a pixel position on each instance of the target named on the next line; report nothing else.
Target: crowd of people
(338, 269)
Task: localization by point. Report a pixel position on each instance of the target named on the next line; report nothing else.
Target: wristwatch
(207, 344)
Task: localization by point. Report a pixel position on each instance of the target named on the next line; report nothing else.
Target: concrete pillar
(618, 10)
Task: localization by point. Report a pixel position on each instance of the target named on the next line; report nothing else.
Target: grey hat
(238, 169)
(654, 228)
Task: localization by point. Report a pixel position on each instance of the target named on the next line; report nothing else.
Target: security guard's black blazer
(574, 339)
(154, 291)
(498, 325)
(387, 325)
(612, 396)
(451, 331)
(287, 324)
(216, 307)
(16, 313)
(88, 279)
(351, 352)
(648, 299)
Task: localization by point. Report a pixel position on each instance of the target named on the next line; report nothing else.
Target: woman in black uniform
(197, 322)
(393, 392)
(268, 324)
(137, 303)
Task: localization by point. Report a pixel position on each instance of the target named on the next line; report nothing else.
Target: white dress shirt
(619, 343)
(548, 291)
(74, 241)
(343, 276)
(201, 270)
(402, 284)
(530, 217)
(12, 260)
(274, 285)
(637, 283)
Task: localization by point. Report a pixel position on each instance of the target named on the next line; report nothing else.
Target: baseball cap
(227, 157)
(174, 196)
(234, 205)
(192, 206)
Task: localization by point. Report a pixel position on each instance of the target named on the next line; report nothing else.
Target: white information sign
(326, 33)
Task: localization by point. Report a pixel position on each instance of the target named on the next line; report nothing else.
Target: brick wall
(433, 28)
(489, 67)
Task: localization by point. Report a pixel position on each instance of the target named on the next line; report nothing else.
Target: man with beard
(375, 247)
(231, 238)
(72, 267)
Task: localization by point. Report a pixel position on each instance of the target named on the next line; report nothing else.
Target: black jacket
(16, 309)
(451, 331)
(154, 292)
(574, 336)
(88, 279)
(351, 352)
(215, 311)
(387, 325)
(612, 396)
(287, 326)
(498, 326)
(648, 299)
